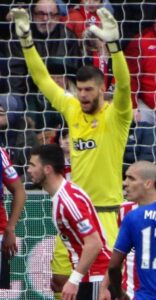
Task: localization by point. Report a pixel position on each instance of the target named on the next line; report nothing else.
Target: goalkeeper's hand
(22, 26)
(109, 32)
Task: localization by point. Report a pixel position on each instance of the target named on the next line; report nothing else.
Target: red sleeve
(9, 173)
(81, 218)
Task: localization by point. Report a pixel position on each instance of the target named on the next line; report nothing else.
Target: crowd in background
(59, 30)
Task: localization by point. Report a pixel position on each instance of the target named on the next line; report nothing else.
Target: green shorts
(61, 264)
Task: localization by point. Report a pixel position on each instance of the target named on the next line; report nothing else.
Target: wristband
(113, 47)
(75, 277)
(26, 41)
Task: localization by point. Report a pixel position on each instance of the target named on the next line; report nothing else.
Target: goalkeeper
(98, 131)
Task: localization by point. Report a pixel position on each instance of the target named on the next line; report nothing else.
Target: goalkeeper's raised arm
(35, 64)
(108, 32)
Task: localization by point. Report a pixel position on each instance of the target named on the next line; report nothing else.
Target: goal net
(31, 119)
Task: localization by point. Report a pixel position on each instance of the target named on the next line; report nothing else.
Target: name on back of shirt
(150, 214)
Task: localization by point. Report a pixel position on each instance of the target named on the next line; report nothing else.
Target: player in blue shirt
(138, 231)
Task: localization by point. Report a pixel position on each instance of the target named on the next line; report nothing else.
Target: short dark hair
(62, 133)
(51, 154)
(90, 72)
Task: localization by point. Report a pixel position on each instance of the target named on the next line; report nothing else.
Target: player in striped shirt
(9, 179)
(76, 221)
(129, 275)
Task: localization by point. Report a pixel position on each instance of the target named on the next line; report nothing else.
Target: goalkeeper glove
(22, 26)
(109, 32)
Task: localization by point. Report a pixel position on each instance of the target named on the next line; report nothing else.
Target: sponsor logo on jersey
(84, 226)
(81, 144)
(11, 172)
(152, 47)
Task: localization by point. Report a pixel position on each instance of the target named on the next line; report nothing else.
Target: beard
(94, 106)
(40, 182)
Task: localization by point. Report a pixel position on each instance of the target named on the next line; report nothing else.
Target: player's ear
(48, 169)
(102, 89)
(149, 183)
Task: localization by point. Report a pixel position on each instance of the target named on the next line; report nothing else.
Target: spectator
(136, 43)
(141, 144)
(62, 7)
(8, 245)
(78, 20)
(3, 77)
(133, 17)
(4, 71)
(76, 221)
(137, 231)
(72, 3)
(62, 138)
(52, 39)
(46, 136)
(81, 16)
(16, 134)
(96, 129)
(141, 58)
(4, 25)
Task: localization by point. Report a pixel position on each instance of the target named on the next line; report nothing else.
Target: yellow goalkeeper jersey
(97, 141)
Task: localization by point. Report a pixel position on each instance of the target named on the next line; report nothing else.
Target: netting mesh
(30, 270)
(31, 120)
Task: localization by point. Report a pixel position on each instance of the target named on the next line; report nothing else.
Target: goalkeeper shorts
(61, 264)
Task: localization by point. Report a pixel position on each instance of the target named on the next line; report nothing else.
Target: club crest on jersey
(84, 226)
(94, 123)
(81, 144)
(59, 223)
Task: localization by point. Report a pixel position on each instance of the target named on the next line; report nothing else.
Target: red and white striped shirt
(75, 218)
(9, 175)
(129, 278)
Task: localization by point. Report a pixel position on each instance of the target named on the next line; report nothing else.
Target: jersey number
(146, 247)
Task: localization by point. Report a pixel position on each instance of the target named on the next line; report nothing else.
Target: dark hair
(90, 72)
(62, 133)
(51, 154)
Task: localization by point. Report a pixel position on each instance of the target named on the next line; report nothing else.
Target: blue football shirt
(138, 231)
